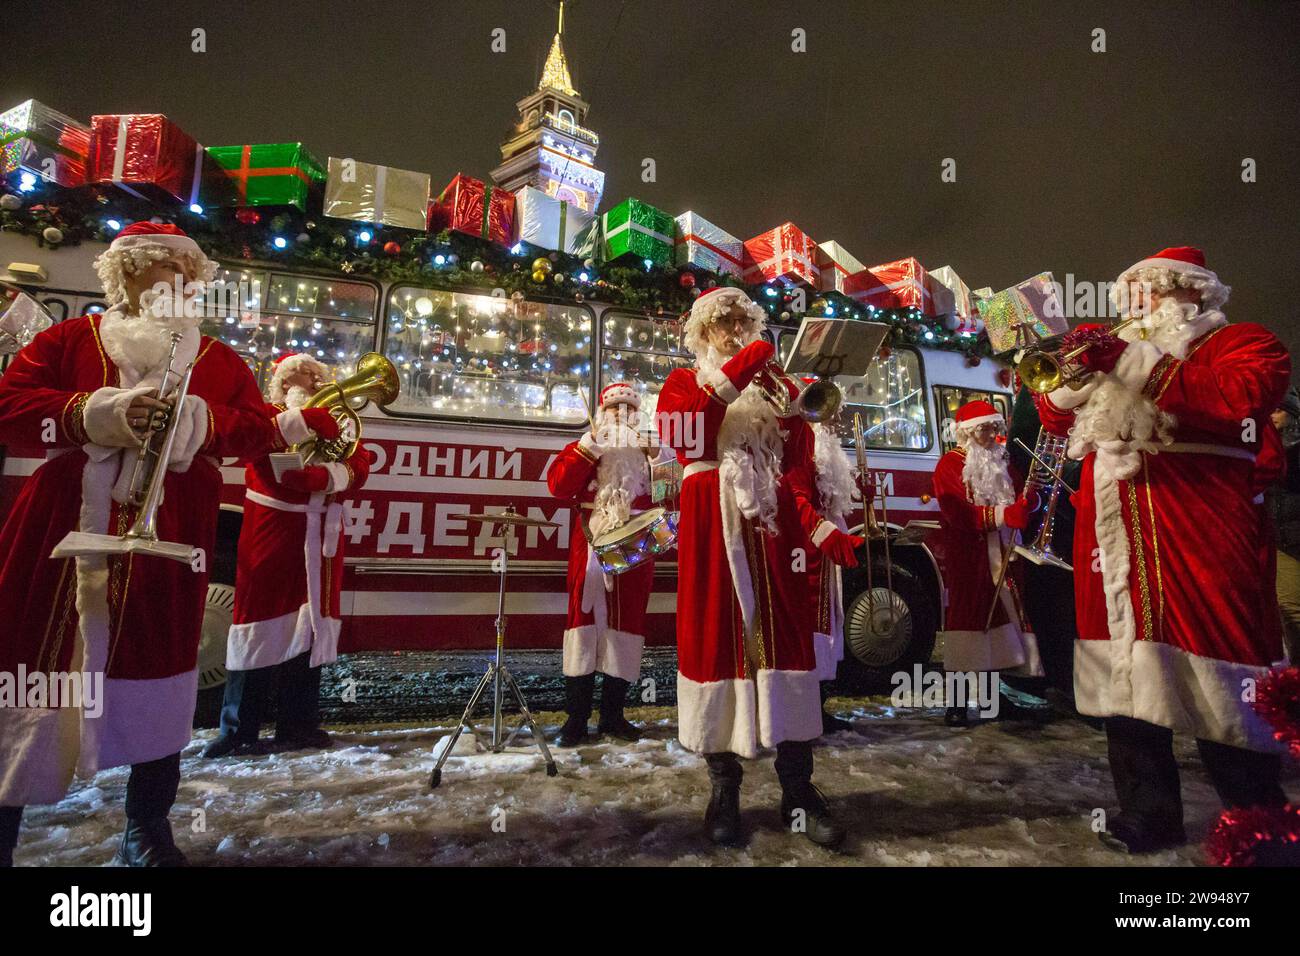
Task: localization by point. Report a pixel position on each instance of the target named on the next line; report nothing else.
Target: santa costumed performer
(1174, 572)
(833, 499)
(979, 513)
(746, 663)
(132, 622)
(289, 573)
(606, 474)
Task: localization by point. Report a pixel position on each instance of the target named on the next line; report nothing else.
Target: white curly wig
(712, 306)
(1214, 294)
(129, 255)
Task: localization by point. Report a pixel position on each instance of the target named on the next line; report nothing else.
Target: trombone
(871, 528)
(1045, 370)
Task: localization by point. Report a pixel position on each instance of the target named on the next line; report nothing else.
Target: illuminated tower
(549, 148)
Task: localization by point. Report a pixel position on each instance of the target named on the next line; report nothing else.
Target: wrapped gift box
(366, 192)
(468, 205)
(701, 244)
(836, 264)
(1024, 312)
(38, 140)
(894, 285)
(785, 254)
(950, 294)
(547, 222)
(265, 174)
(635, 228)
(149, 156)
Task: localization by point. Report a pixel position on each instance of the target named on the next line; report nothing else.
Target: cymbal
(508, 517)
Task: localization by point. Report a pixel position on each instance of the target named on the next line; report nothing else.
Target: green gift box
(634, 228)
(267, 174)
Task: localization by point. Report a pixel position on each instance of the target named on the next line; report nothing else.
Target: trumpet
(1045, 370)
(818, 402)
(375, 380)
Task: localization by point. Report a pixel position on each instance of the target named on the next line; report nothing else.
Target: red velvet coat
(739, 687)
(609, 634)
(147, 611)
(974, 540)
(1174, 575)
(289, 573)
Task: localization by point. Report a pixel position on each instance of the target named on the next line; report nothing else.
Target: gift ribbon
(381, 184)
(246, 170)
(487, 209)
(635, 227)
(701, 241)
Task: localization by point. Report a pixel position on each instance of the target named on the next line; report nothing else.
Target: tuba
(375, 380)
(1045, 370)
(817, 402)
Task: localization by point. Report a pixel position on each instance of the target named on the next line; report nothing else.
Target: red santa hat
(285, 366)
(713, 305)
(142, 243)
(1177, 266)
(619, 393)
(976, 413)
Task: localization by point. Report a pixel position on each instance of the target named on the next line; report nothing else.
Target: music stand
(497, 674)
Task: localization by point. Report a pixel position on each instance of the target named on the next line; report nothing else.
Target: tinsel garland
(449, 260)
(1256, 836)
(1277, 700)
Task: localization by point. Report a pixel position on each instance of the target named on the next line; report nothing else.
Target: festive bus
(491, 388)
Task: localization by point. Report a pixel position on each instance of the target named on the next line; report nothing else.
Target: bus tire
(870, 659)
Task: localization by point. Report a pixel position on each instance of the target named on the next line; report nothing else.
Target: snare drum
(645, 535)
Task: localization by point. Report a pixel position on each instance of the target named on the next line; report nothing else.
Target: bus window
(949, 398)
(891, 400)
(483, 357)
(265, 315)
(641, 351)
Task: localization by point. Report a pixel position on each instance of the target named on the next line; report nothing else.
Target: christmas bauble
(392, 248)
(589, 263)
(476, 265)
(578, 297)
(340, 241)
(695, 293)
(952, 322)
(303, 237)
(10, 201)
(541, 264)
(539, 275)
(249, 217)
(785, 316)
(686, 280)
(53, 235)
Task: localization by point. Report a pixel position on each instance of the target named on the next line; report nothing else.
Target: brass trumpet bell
(375, 380)
(817, 402)
(1045, 370)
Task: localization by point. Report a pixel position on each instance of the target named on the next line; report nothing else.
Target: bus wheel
(884, 630)
(218, 614)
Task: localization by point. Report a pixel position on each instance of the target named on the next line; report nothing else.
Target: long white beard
(750, 448)
(986, 475)
(621, 477)
(143, 341)
(834, 475)
(1173, 326)
(296, 396)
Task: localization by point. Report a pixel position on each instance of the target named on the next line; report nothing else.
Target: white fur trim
(579, 655)
(339, 477)
(999, 515)
(980, 420)
(1002, 648)
(589, 444)
(191, 433)
(1167, 686)
(1135, 364)
(166, 705)
(738, 715)
(279, 639)
(175, 245)
(822, 532)
(619, 393)
(721, 385)
(828, 649)
(589, 649)
(104, 417)
(293, 426)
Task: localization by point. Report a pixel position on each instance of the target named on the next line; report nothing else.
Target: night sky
(1067, 160)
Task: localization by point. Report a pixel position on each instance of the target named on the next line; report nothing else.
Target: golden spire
(555, 74)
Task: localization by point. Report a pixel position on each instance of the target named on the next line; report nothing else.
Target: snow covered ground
(912, 792)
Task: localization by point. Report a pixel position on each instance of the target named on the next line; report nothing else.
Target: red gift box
(147, 155)
(785, 254)
(894, 285)
(467, 205)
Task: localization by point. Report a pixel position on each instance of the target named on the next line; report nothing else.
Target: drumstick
(587, 408)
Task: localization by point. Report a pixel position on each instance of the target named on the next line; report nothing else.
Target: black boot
(578, 692)
(243, 703)
(10, 818)
(148, 843)
(803, 808)
(297, 716)
(613, 695)
(722, 818)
